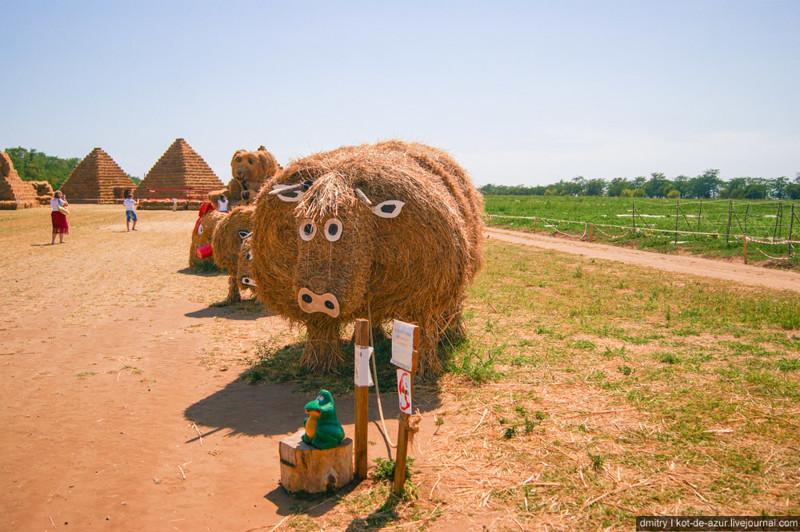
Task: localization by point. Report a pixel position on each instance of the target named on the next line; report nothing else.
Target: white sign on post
(363, 377)
(403, 345)
(404, 390)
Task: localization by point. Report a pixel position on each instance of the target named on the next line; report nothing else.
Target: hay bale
(202, 235)
(250, 169)
(42, 188)
(324, 257)
(227, 242)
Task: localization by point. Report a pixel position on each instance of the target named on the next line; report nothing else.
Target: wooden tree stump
(306, 468)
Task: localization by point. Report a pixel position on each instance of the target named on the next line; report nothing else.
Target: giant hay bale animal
(227, 243)
(203, 232)
(391, 231)
(250, 169)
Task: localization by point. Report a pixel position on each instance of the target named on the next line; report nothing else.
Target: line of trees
(33, 165)
(706, 185)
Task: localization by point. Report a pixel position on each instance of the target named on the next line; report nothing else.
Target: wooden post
(534, 224)
(402, 430)
(728, 230)
(677, 214)
(744, 241)
(778, 221)
(746, 210)
(362, 407)
(591, 229)
(791, 227)
(699, 215)
(633, 215)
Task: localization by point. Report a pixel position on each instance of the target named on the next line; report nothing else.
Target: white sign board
(403, 345)
(363, 377)
(404, 390)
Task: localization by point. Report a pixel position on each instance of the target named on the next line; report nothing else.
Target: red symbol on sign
(404, 392)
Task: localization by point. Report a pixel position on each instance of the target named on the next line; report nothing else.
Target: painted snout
(204, 251)
(310, 302)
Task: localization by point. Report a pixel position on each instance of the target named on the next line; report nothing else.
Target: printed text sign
(403, 345)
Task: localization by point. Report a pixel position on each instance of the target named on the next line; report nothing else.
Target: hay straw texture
(227, 242)
(14, 192)
(250, 169)
(97, 179)
(330, 253)
(203, 235)
(180, 167)
(43, 189)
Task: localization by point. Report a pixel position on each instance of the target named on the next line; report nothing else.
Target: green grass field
(711, 227)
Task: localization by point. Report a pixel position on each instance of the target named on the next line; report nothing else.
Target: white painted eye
(333, 229)
(307, 229)
(291, 196)
(388, 209)
(243, 234)
(249, 255)
(247, 281)
(200, 229)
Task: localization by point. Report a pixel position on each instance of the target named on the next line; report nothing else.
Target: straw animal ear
(236, 154)
(388, 209)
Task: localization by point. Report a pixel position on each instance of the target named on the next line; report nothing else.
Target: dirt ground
(121, 403)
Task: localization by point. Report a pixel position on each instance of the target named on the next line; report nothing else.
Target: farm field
(589, 392)
(713, 228)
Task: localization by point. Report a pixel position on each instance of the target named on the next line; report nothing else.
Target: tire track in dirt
(725, 271)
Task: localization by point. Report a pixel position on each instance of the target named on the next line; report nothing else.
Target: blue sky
(525, 92)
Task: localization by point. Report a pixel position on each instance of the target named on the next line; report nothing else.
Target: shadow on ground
(249, 309)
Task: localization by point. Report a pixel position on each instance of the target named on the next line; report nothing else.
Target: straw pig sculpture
(392, 230)
(202, 235)
(227, 242)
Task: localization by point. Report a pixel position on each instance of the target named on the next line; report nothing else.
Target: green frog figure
(323, 429)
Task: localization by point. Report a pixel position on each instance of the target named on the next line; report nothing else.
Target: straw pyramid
(12, 187)
(180, 167)
(97, 178)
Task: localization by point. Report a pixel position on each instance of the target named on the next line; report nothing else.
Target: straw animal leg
(323, 351)
(233, 292)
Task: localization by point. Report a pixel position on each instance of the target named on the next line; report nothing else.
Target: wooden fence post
(633, 215)
(677, 215)
(402, 429)
(744, 241)
(534, 224)
(791, 227)
(591, 230)
(728, 230)
(699, 215)
(361, 407)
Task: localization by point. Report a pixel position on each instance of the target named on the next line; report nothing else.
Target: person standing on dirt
(58, 216)
(130, 213)
(222, 203)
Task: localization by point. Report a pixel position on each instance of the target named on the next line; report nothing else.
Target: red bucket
(204, 251)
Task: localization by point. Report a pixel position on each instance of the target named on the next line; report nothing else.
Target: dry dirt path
(110, 350)
(726, 271)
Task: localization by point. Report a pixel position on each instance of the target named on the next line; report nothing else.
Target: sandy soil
(110, 351)
(114, 362)
(726, 271)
